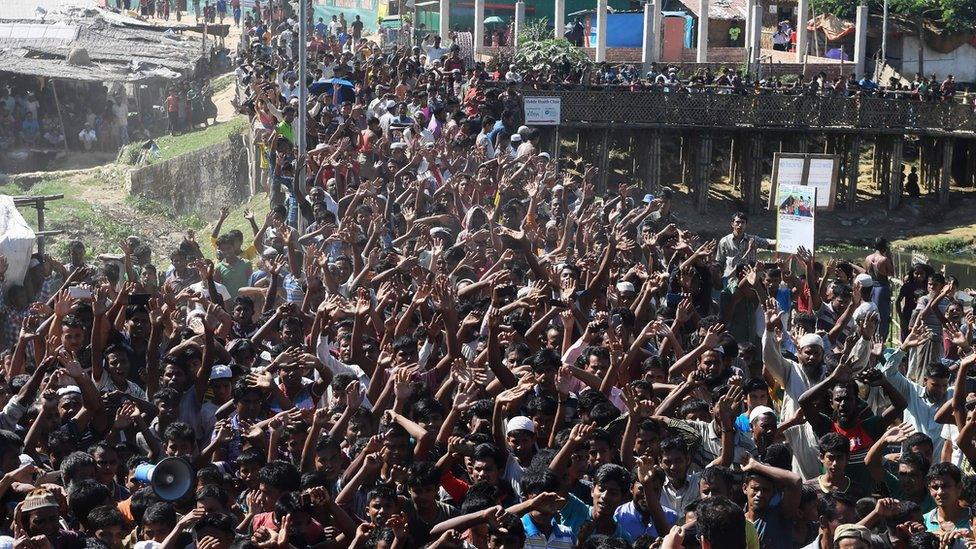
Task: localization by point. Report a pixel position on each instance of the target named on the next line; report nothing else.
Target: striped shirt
(560, 538)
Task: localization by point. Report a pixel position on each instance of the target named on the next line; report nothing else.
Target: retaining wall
(199, 182)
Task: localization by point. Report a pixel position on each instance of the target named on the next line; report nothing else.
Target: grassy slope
(171, 146)
(97, 210)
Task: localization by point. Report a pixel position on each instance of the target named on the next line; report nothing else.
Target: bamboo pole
(57, 105)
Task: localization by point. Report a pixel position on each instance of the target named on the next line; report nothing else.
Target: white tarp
(16, 241)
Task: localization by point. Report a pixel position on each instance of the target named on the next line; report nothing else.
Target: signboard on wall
(542, 111)
(815, 170)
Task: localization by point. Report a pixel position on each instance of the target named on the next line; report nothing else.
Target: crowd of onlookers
(94, 118)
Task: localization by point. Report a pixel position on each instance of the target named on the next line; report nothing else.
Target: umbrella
(494, 20)
(328, 85)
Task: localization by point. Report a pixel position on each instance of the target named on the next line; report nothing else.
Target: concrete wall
(199, 182)
(960, 62)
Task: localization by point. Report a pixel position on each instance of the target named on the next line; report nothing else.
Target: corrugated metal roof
(27, 32)
(27, 9)
(118, 51)
(717, 9)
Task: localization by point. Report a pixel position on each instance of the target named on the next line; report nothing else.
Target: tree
(554, 54)
(953, 15)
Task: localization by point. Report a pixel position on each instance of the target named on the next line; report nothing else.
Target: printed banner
(795, 217)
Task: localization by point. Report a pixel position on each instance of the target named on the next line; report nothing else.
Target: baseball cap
(520, 423)
(760, 411)
(864, 280)
(220, 371)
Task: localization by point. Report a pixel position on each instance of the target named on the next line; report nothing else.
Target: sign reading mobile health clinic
(542, 111)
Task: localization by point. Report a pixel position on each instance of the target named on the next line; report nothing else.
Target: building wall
(960, 62)
(368, 11)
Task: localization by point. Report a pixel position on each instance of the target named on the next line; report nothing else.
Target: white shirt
(202, 289)
(921, 409)
(106, 385)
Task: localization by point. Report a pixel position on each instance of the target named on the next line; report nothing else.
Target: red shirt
(172, 104)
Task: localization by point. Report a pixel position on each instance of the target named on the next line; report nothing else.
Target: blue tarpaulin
(626, 30)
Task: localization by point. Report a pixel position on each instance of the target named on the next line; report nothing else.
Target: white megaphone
(171, 478)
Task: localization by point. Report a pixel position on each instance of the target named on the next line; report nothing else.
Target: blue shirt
(932, 521)
(630, 519)
(774, 528)
(561, 537)
(575, 513)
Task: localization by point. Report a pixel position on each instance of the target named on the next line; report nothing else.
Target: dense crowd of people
(440, 336)
(670, 77)
(30, 118)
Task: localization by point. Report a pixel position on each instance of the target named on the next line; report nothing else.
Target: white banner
(542, 111)
(821, 175)
(795, 217)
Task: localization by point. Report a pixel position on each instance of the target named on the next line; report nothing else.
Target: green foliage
(171, 146)
(944, 245)
(535, 31)
(549, 54)
(955, 15)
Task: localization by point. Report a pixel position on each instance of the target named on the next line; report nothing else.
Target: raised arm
(788, 481)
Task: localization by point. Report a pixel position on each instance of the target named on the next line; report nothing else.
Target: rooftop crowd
(442, 337)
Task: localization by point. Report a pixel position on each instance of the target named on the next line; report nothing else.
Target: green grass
(72, 215)
(941, 244)
(171, 146)
(222, 82)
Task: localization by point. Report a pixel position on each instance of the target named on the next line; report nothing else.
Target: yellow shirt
(249, 253)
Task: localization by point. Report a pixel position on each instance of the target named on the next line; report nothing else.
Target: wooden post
(604, 160)
(652, 165)
(252, 162)
(876, 162)
(39, 206)
(853, 166)
(64, 131)
(753, 172)
(703, 170)
(555, 145)
(733, 150)
(802, 144)
(945, 174)
(970, 164)
(895, 188)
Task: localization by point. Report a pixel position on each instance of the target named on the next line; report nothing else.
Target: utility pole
(884, 35)
(300, 132)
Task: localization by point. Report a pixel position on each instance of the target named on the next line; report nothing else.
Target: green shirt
(894, 490)
(284, 129)
(235, 276)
